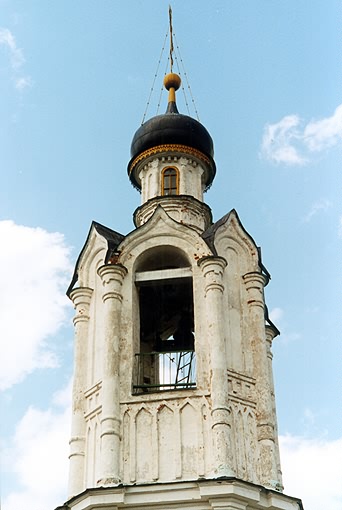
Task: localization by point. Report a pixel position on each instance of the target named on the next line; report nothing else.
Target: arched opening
(166, 359)
(170, 181)
(162, 257)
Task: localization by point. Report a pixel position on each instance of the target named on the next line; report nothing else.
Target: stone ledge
(224, 493)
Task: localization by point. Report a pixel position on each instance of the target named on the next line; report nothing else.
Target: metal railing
(158, 371)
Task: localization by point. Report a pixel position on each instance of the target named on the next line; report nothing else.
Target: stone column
(81, 298)
(255, 283)
(112, 277)
(271, 333)
(213, 269)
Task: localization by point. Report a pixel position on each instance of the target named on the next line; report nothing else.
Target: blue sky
(74, 82)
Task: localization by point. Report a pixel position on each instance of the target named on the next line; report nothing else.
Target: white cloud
(34, 272)
(38, 457)
(8, 41)
(319, 206)
(278, 143)
(325, 133)
(291, 142)
(312, 471)
(276, 314)
(17, 60)
(23, 82)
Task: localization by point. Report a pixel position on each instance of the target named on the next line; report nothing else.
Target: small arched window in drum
(170, 181)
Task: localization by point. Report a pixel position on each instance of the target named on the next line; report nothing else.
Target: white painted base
(222, 494)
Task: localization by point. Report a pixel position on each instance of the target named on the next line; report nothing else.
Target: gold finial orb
(172, 81)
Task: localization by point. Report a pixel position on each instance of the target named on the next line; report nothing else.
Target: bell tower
(173, 397)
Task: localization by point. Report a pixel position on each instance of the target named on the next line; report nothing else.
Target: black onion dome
(172, 128)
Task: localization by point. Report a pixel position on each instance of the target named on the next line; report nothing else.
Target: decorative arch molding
(93, 255)
(92, 448)
(164, 407)
(99, 238)
(162, 229)
(142, 408)
(246, 448)
(232, 235)
(195, 404)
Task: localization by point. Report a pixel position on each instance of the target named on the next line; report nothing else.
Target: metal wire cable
(162, 87)
(154, 79)
(182, 87)
(186, 78)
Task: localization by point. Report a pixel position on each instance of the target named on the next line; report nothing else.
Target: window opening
(166, 360)
(170, 181)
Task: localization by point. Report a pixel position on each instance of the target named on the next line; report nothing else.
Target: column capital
(211, 263)
(213, 269)
(255, 283)
(255, 280)
(81, 297)
(112, 276)
(110, 272)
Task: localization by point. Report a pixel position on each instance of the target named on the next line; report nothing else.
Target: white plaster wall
(92, 452)
(233, 244)
(193, 495)
(168, 436)
(166, 439)
(92, 259)
(190, 177)
(183, 209)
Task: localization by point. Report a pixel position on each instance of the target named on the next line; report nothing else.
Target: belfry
(173, 396)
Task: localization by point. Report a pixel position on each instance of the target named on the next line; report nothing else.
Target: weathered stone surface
(223, 494)
(226, 425)
(177, 292)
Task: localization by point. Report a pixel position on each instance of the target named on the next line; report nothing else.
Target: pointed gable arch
(230, 240)
(162, 230)
(100, 244)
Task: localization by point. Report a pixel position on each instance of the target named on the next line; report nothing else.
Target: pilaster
(271, 332)
(255, 283)
(112, 277)
(213, 269)
(81, 298)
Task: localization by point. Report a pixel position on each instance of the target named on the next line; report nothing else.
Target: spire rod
(171, 81)
(171, 39)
